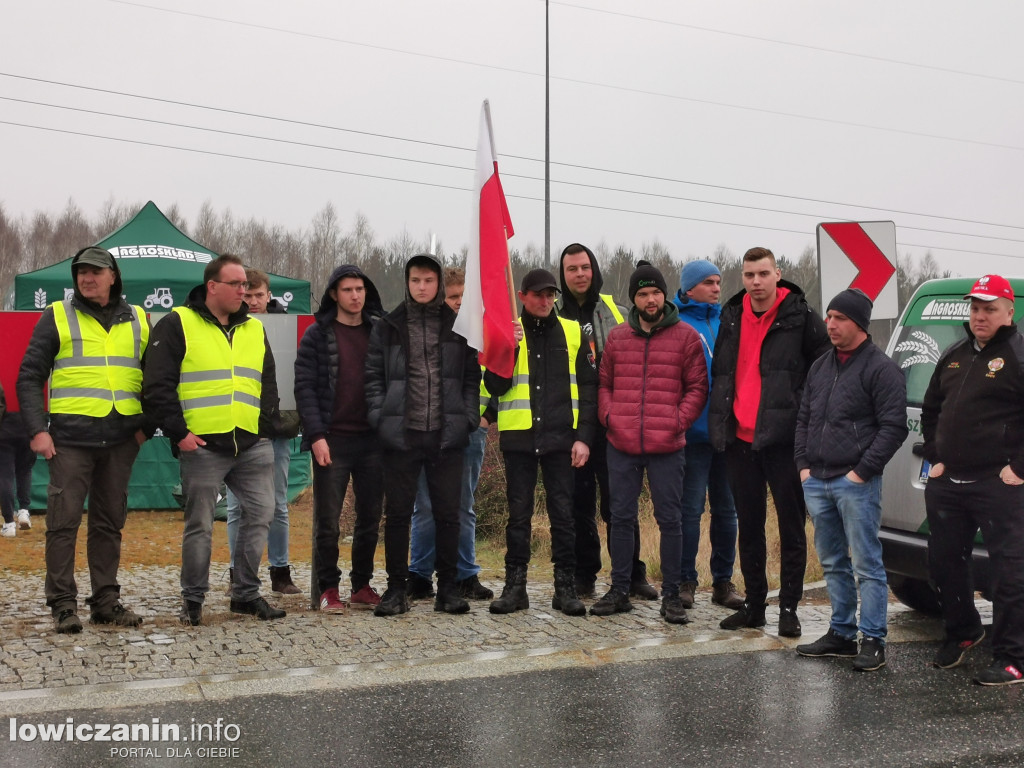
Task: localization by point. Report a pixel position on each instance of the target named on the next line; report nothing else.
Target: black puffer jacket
(387, 397)
(852, 416)
(163, 369)
(316, 362)
(37, 364)
(796, 339)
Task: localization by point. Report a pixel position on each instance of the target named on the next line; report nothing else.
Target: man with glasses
(212, 385)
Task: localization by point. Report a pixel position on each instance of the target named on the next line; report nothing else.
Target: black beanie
(855, 304)
(644, 276)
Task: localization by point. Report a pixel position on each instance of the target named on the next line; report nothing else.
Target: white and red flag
(487, 314)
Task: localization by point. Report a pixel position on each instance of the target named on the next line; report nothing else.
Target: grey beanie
(855, 304)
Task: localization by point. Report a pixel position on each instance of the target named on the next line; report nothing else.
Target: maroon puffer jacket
(653, 387)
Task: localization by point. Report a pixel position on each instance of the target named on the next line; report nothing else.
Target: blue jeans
(846, 517)
(626, 479)
(706, 477)
(277, 538)
(421, 557)
(250, 475)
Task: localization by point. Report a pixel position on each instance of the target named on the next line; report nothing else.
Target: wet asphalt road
(750, 709)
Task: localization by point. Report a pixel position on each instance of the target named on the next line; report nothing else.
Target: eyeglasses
(234, 284)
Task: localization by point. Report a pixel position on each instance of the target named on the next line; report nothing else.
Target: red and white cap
(990, 288)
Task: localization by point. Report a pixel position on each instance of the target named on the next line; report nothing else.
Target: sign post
(860, 255)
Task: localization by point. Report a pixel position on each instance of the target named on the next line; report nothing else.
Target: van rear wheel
(915, 593)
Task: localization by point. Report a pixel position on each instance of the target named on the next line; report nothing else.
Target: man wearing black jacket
(212, 386)
(852, 420)
(972, 421)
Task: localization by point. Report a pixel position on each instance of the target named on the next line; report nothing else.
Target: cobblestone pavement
(352, 649)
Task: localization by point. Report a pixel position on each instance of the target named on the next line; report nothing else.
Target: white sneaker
(9, 530)
(24, 520)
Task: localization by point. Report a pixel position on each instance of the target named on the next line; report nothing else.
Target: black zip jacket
(853, 416)
(972, 419)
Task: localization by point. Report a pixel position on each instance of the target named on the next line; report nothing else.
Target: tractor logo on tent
(161, 297)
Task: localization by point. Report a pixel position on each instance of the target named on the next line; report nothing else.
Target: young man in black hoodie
(597, 313)
(423, 394)
(92, 433)
(331, 399)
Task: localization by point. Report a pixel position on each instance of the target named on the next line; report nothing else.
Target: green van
(932, 320)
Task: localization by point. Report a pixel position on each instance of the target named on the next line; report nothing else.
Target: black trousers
(521, 482)
(751, 473)
(443, 470)
(955, 513)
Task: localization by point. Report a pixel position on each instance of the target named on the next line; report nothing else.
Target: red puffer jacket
(653, 386)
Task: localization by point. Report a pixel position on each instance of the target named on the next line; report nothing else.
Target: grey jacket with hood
(406, 386)
(595, 310)
(316, 362)
(37, 364)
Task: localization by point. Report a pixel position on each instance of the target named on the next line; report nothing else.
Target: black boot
(513, 596)
(565, 599)
(638, 584)
(448, 599)
(394, 600)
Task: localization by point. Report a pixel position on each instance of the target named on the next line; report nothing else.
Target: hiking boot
(513, 595)
(257, 607)
(829, 644)
(116, 614)
(745, 617)
(331, 602)
(565, 599)
(614, 601)
(673, 608)
(394, 602)
(724, 593)
(9, 530)
(418, 588)
(231, 582)
(687, 593)
(364, 597)
(67, 622)
(448, 600)
(871, 656)
(585, 587)
(472, 589)
(789, 624)
(281, 581)
(1000, 673)
(951, 653)
(191, 613)
(24, 520)
(643, 590)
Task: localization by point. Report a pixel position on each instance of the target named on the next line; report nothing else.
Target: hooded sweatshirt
(595, 314)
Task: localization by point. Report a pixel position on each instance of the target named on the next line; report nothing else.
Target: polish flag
(487, 313)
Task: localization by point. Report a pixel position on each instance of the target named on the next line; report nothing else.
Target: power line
(649, 177)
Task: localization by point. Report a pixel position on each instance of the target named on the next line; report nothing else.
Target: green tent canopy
(159, 266)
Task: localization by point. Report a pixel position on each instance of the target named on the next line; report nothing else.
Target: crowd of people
(715, 403)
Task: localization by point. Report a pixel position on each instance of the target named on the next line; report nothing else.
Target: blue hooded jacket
(704, 319)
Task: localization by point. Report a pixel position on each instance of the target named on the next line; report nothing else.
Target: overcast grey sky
(697, 124)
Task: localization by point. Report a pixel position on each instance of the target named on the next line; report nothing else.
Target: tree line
(31, 242)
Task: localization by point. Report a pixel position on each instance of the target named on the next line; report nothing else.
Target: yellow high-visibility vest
(611, 305)
(96, 371)
(221, 381)
(514, 406)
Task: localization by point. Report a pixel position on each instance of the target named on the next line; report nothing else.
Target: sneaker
(951, 653)
(418, 588)
(9, 530)
(116, 614)
(191, 614)
(365, 597)
(687, 593)
(724, 593)
(1000, 673)
(789, 624)
(614, 601)
(394, 602)
(745, 617)
(258, 607)
(24, 520)
(674, 610)
(331, 602)
(871, 656)
(67, 622)
(642, 589)
(472, 589)
(829, 644)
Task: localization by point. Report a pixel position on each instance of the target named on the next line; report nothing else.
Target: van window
(932, 324)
